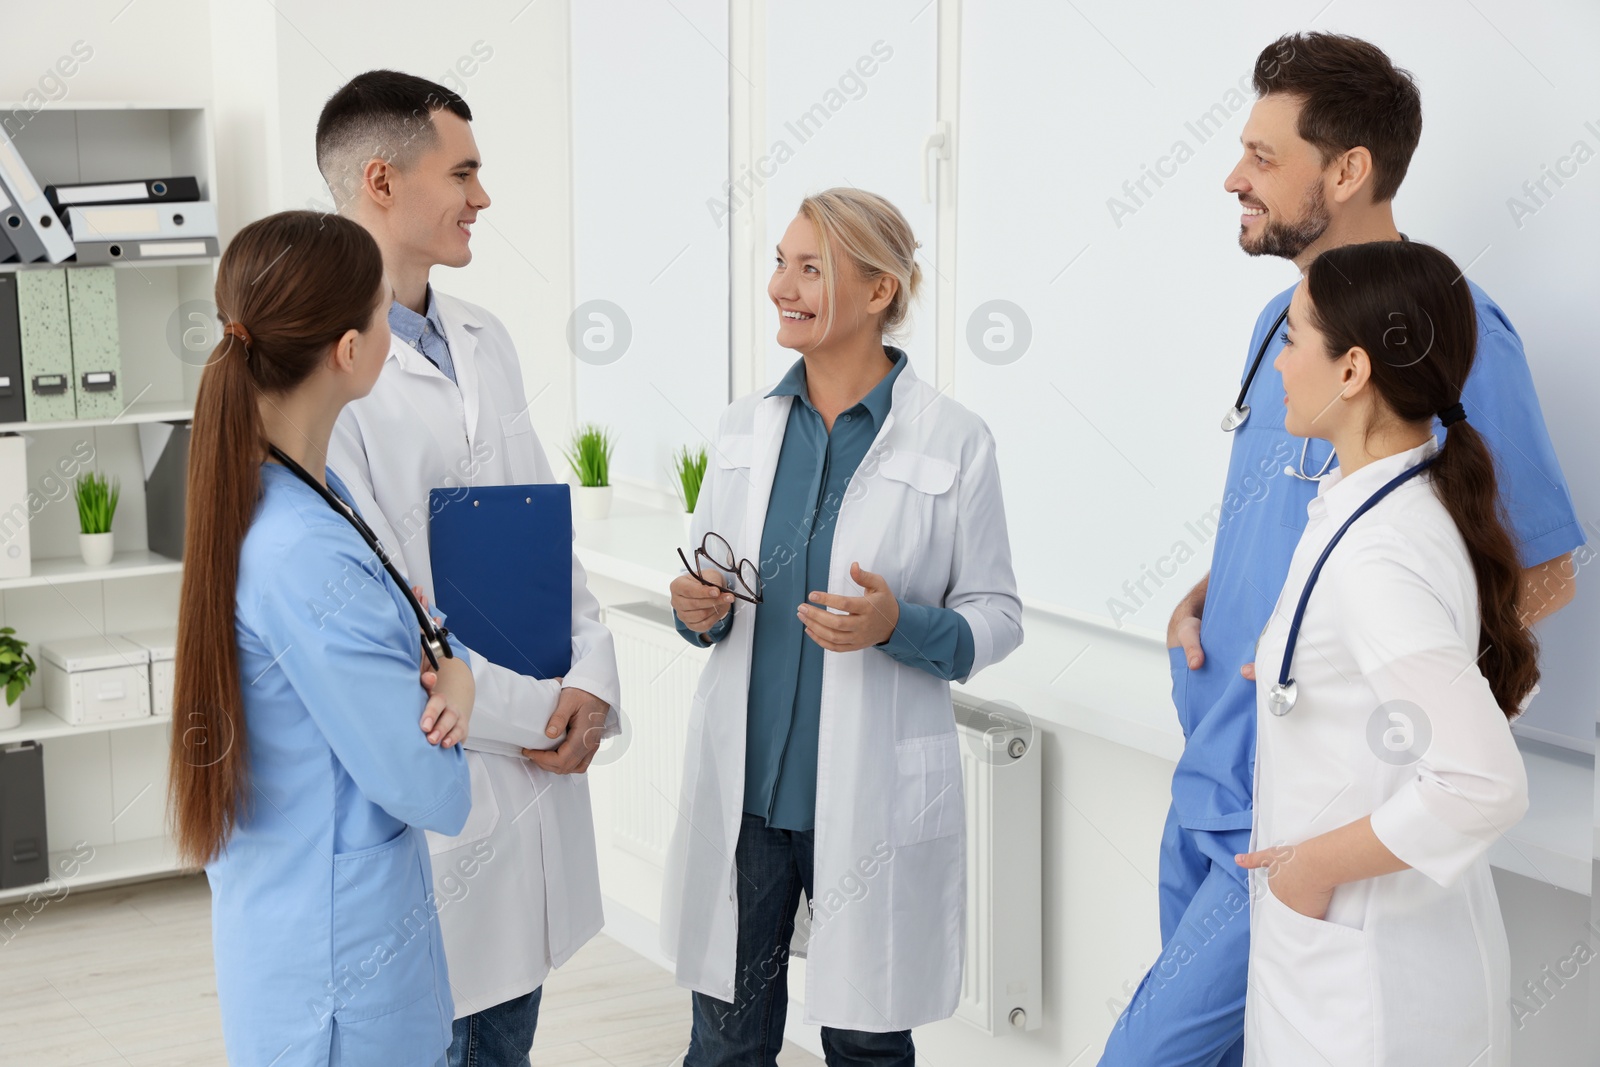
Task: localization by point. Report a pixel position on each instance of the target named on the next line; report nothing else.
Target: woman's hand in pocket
(1292, 877)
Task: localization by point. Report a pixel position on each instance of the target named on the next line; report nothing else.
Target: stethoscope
(1240, 411)
(1281, 697)
(435, 638)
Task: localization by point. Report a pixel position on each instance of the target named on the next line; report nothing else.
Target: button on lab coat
(1394, 721)
(888, 917)
(519, 887)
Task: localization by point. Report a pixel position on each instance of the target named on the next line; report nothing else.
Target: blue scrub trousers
(1189, 1009)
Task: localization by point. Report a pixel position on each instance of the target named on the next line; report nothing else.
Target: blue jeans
(774, 866)
(1189, 1009)
(497, 1037)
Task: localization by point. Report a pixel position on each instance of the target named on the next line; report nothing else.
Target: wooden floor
(123, 976)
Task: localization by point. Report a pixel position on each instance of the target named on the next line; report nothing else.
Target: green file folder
(46, 344)
(96, 354)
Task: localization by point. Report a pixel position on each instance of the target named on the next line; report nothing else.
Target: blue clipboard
(502, 572)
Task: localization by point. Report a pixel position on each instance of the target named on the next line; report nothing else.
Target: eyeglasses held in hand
(715, 550)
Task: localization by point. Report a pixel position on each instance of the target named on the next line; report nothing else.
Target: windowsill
(1069, 672)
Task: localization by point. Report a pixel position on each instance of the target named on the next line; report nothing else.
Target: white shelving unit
(106, 784)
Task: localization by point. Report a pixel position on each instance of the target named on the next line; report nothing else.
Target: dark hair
(295, 282)
(1350, 96)
(382, 114)
(1409, 307)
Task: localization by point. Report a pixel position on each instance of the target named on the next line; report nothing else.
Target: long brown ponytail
(1412, 311)
(288, 287)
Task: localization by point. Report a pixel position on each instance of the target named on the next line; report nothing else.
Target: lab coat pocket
(901, 506)
(927, 801)
(731, 458)
(735, 450)
(485, 813)
(383, 929)
(1311, 984)
(517, 431)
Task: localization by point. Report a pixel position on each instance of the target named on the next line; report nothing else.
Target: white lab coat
(519, 888)
(889, 913)
(1412, 967)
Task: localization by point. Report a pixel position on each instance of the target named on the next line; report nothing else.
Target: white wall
(510, 67)
(650, 241)
(1140, 315)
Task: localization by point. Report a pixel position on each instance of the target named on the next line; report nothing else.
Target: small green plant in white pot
(97, 498)
(689, 468)
(16, 672)
(590, 458)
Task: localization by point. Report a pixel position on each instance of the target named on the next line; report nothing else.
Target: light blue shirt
(324, 922)
(785, 700)
(425, 333)
(1263, 514)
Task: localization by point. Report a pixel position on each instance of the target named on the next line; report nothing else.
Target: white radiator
(1000, 765)
(1000, 991)
(659, 671)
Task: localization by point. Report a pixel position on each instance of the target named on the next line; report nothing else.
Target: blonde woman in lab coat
(849, 560)
(1385, 766)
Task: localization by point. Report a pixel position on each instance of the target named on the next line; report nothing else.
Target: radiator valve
(1019, 1018)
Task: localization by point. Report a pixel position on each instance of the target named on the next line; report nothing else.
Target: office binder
(8, 251)
(16, 552)
(502, 572)
(34, 208)
(164, 447)
(24, 850)
(19, 235)
(141, 222)
(96, 353)
(144, 190)
(46, 345)
(11, 406)
(103, 252)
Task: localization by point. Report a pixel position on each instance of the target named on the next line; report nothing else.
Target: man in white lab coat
(518, 890)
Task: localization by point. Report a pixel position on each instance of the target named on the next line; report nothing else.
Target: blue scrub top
(785, 700)
(1262, 516)
(324, 925)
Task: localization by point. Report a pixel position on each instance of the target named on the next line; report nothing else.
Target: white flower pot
(594, 501)
(97, 549)
(11, 714)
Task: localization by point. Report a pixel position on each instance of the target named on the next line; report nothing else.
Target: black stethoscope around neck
(1283, 694)
(435, 638)
(1240, 411)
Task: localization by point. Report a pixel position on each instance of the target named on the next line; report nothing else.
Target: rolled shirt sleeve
(1469, 786)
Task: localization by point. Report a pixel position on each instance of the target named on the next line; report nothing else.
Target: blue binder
(502, 572)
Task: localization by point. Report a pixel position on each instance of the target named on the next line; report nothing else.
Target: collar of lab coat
(1339, 496)
(462, 324)
(771, 417)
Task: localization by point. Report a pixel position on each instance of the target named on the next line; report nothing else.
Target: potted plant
(690, 469)
(16, 671)
(97, 498)
(590, 458)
